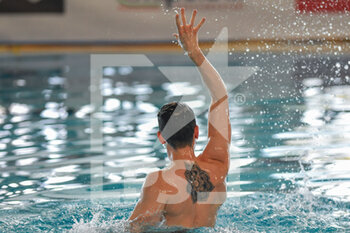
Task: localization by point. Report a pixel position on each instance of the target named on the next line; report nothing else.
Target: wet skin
(189, 192)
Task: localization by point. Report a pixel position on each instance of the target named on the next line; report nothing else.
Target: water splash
(260, 212)
(97, 224)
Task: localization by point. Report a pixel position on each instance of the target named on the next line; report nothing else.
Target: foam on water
(276, 212)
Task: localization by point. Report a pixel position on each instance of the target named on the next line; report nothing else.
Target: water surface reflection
(292, 132)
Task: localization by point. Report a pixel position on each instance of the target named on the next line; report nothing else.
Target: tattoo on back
(199, 184)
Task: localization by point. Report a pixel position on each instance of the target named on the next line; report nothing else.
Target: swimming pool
(290, 154)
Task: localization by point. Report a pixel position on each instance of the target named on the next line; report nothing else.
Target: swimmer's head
(177, 125)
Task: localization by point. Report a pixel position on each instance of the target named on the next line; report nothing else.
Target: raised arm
(219, 129)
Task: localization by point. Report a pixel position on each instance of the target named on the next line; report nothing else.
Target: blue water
(290, 154)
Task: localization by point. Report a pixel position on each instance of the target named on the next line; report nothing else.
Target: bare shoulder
(153, 180)
(158, 180)
(154, 185)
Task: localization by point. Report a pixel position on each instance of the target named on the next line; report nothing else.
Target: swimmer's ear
(160, 137)
(196, 132)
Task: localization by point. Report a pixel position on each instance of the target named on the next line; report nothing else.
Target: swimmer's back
(184, 209)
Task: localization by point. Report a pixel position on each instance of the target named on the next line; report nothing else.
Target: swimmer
(189, 192)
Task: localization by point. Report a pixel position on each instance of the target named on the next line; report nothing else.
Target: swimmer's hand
(188, 36)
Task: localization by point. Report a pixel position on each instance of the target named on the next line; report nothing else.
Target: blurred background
(131, 21)
(290, 125)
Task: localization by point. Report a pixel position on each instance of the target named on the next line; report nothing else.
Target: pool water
(290, 153)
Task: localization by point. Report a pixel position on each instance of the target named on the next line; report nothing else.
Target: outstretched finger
(178, 23)
(183, 16)
(200, 24)
(193, 17)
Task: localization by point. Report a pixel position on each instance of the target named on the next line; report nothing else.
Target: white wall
(105, 20)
